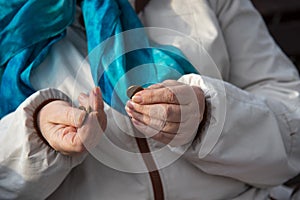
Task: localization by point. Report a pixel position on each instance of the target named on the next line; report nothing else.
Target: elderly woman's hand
(169, 112)
(68, 129)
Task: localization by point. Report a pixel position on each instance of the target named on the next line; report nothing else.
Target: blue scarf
(28, 29)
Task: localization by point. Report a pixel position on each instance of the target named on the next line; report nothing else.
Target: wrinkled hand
(169, 112)
(69, 130)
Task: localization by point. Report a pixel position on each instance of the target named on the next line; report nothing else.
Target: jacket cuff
(35, 119)
(28, 163)
(30, 109)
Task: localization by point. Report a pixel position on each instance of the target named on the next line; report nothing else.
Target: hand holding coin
(68, 129)
(169, 112)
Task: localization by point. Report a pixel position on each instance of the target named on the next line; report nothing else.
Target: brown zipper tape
(154, 174)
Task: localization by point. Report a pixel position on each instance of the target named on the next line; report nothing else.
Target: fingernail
(96, 91)
(129, 105)
(128, 110)
(137, 98)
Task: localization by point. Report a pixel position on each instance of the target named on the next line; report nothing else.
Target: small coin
(87, 110)
(132, 90)
(82, 108)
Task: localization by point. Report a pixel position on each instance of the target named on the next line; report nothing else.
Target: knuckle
(138, 107)
(155, 110)
(150, 96)
(171, 96)
(161, 125)
(159, 136)
(168, 111)
(145, 119)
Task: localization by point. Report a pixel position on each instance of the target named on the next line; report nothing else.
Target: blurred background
(283, 20)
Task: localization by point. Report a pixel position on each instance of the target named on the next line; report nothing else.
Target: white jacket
(251, 137)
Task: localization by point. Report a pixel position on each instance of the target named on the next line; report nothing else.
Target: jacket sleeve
(252, 130)
(29, 168)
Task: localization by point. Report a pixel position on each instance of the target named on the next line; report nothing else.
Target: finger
(102, 119)
(152, 133)
(164, 84)
(62, 113)
(152, 96)
(159, 125)
(179, 94)
(71, 142)
(65, 140)
(97, 105)
(184, 130)
(164, 137)
(155, 86)
(83, 100)
(168, 83)
(168, 112)
(91, 132)
(95, 100)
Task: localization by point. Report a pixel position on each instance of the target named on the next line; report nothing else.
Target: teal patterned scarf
(28, 29)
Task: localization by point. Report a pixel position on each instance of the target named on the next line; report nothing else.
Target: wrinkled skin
(68, 129)
(169, 112)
